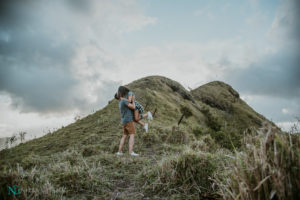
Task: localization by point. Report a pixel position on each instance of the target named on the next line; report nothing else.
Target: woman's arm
(130, 97)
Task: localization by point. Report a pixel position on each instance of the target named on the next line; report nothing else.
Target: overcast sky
(63, 58)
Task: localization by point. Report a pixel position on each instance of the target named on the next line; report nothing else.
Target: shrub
(187, 111)
(178, 136)
(197, 131)
(149, 139)
(211, 121)
(89, 151)
(268, 167)
(206, 143)
(177, 88)
(187, 174)
(32, 160)
(228, 140)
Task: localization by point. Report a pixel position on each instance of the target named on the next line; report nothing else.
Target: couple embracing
(131, 111)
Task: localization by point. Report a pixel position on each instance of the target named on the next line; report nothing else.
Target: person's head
(117, 96)
(122, 91)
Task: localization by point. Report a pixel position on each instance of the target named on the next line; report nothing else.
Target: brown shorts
(129, 128)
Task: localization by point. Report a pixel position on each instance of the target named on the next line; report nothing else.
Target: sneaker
(119, 153)
(134, 154)
(150, 116)
(146, 127)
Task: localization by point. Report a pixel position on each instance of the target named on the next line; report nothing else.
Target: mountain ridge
(152, 91)
(214, 113)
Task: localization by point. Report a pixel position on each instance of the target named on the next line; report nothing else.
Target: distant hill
(214, 109)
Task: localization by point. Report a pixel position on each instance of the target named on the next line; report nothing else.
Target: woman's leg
(136, 115)
(137, 118)
(141, 123)
(149, 115)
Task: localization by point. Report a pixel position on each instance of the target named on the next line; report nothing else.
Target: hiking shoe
(119, 153)
(134, 154)
(150, 116)
(146, 127)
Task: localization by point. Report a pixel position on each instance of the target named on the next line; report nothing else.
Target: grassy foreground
(221, 150)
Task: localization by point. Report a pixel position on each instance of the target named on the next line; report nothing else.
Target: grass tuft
(267, 168)
(187, 175)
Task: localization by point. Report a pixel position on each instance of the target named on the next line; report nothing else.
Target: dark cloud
(34, 62)
(38, 89)
(287, 23)
(38, 42)
(276, 74)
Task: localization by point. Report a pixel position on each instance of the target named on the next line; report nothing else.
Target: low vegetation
(208, 156)
(186, 175)
(268, 167)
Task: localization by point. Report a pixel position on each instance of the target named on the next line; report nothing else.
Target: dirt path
(127, 187)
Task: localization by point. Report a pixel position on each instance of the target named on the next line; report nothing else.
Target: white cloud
(13, 122)
(94, 34)
(192, 64)
(70, 52)
(75, 41)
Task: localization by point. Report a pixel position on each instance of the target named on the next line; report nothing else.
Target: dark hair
(117, 96)
(122, 91)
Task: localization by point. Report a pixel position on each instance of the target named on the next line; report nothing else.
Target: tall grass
(187, 175)
(66, 174)
(268, 167)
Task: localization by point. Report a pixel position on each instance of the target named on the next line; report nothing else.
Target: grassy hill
(79, 162)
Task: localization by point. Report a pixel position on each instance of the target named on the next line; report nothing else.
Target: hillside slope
(76, 156)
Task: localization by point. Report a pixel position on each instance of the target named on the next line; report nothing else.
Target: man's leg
(131, 142)
(122, 142)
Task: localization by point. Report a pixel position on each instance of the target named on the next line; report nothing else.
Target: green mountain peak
(213, 113)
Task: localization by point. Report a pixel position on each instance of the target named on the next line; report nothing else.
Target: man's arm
(131, 105)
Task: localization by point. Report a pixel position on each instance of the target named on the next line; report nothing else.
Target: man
(126, 110)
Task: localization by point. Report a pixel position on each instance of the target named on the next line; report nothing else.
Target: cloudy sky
(63, 58)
